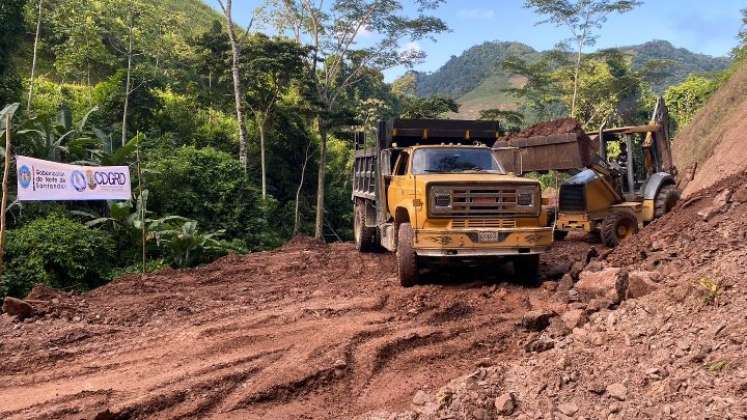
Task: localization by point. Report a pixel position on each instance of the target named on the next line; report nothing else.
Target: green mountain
(475, 80)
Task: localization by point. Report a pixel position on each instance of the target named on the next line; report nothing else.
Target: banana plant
(124, 219)
(57, 139)
(185, 244)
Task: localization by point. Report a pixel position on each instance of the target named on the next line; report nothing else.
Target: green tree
(213, 50)
(684, 100)
(58, 252)
(582, 18)
(337, 64)
(270, 68)
(542, 91)
(227, 7)
(433, 107)
(11, 18)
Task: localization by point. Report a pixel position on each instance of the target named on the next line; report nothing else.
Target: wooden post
(4, 201)
(140, 192)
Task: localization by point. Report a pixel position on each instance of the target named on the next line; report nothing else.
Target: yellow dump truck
(434, 190)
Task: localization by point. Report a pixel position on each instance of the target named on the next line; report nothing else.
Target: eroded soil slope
(675, 348)
(307, 331)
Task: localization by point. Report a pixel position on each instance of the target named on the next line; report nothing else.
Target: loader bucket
(558, 152)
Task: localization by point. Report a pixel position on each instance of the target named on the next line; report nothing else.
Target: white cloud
(365, 32)
(477, 14)
(411, 46)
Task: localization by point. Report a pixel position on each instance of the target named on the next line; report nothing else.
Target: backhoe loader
(607, 196)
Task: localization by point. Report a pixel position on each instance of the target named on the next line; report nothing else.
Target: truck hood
(475, 177)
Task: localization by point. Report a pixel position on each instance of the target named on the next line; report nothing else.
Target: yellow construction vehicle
(432, 190)
(615, 195)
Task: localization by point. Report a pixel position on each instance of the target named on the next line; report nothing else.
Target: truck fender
(655, 182)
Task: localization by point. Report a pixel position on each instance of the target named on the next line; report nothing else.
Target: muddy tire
(365, 237)
(618, 226)
(559, 235)
(407, 259)
(665, 200)
(526, 269)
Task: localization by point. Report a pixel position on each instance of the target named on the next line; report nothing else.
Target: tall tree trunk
(261, 127)
(33, 60)
(319, 228)
(575, 80)
(236, 84)
(127, 82)
(296, 215)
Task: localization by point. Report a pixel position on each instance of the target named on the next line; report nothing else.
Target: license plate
(488, 236)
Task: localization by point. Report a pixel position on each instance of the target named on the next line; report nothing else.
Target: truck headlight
(441, 197)
(525, 198)
(442, 200)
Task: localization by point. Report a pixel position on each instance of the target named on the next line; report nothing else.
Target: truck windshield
(455, 159)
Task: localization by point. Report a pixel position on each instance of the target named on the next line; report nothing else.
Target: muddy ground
(307, 331)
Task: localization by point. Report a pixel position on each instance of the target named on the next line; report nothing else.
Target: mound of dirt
(306, 331)
(676, 350)
(710, 222)
(714, 145)
(548, 128)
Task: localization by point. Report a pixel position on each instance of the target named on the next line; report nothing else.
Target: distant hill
(476, 80)
(681, 62)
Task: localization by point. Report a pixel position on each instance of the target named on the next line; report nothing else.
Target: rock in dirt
(610, 284)
(574, 318)
(505, 404)
(719, 203)
(569, 409)
(617, 391)
(536, 320)
(17, 307)
(641, 283)
(539, 345)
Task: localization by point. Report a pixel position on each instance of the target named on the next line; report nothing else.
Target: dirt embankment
(675, 349)
(307, 331)
(714, 145)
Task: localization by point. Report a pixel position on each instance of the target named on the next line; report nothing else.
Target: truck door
(400, 186)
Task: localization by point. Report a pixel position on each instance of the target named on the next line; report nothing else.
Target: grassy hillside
(476, 80)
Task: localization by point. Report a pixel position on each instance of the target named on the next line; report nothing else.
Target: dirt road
(307, 331)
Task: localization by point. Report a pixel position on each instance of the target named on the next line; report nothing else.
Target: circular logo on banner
(24, 176)
(78, 180)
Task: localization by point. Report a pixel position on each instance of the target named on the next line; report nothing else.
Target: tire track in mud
(307, 331)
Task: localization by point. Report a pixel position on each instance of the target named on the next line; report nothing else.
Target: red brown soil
(306, 331)
(679, 352)
(548, 128)
(714, 144)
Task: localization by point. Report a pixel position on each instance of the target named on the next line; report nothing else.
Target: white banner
(42, 180)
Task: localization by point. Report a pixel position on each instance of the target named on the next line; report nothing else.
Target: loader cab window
(403, 163)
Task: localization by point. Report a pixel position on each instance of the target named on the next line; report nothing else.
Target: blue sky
(707, 27)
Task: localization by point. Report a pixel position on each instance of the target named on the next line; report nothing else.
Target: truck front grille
(461, 223)
(482, 201)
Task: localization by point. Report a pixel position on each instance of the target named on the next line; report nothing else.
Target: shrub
(210, 187)
(58, 252)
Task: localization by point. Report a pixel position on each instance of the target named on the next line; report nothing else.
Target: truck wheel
(666, 198)
(618, 226)
(407, 259)
(526, 269)
(364, 236)
(559, 235)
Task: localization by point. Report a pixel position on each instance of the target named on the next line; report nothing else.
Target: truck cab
(436, 191)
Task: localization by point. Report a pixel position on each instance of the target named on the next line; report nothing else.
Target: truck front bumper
(482, 242)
